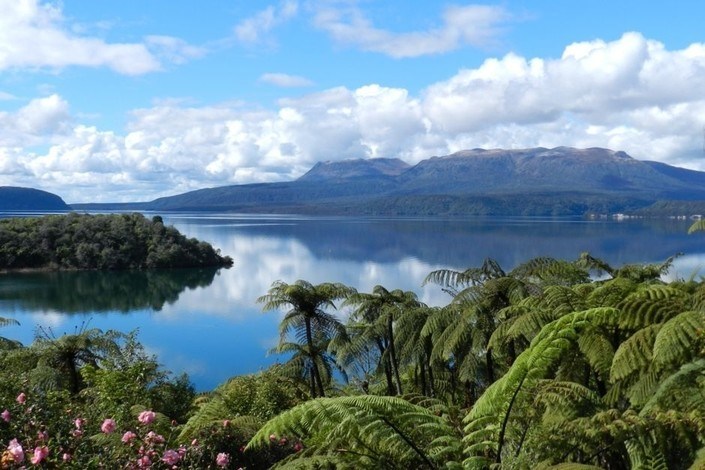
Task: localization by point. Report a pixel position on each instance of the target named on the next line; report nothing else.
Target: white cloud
(252, 29)
(285, 80)
(35, 35)
(174, 50)
(474, 25)
(630, 94)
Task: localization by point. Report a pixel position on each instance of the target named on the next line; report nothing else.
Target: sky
(116, 101)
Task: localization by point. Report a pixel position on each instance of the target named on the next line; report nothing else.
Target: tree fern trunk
(393, 354)
(314, 367)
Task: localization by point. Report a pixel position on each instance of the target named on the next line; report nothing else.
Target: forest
(100, 242)
(552, 365)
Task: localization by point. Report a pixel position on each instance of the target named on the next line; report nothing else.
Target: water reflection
(209, 325)
(72, 292)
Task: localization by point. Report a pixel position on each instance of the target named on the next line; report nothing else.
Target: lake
(207, 323)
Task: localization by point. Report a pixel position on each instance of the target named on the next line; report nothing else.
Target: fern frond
(680, 391)
(676, 340)
(611, 293)
(655, 304)
(598, 351)
(697, 226)
(634, 354)
(382, 428)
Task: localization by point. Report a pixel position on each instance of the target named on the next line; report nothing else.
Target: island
(100, 242)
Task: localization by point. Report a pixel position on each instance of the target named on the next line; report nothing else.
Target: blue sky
(126, 101)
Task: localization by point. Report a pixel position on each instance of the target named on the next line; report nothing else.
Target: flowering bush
(122, 409)
(42, 437)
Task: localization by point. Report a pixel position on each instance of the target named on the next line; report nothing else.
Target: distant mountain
(359, 168)
(536, 181)
(27, 199)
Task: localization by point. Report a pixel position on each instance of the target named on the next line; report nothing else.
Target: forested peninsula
(104, 242)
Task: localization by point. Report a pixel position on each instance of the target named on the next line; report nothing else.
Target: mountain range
(535, 181)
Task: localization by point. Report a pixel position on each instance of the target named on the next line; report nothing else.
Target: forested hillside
(119, 241)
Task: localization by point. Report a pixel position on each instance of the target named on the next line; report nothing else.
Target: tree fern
(367, 430)
(487, 422)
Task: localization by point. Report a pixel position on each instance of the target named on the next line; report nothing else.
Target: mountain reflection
(466, 242)
(97, 291)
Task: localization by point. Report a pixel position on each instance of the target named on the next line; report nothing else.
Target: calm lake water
(207, 323)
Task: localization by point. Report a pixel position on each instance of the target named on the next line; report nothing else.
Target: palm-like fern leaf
(675, 342)
(368, 429)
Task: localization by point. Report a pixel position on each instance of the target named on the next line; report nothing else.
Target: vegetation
(552, 365)
(106, 242)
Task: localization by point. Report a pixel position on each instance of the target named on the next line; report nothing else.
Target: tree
(308, 320)
(377, 313)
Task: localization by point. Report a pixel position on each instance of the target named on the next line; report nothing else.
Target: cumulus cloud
(285, 80)
(629, 94)
(35, 35)
(254, 28)
(474, 25)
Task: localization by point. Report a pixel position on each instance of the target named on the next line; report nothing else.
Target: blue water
(210, 326)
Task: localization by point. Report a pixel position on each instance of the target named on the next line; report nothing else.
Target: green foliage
(106, 242)
(369, 432)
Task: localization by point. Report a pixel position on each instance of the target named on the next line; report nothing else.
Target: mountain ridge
(534, 181)
(15, 198)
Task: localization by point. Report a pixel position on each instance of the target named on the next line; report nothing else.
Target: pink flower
(108, 426)
(78, 422)
(154, 437)
(66, 457)
(222, 460)
(40, 453)
(146, 417)
(144, 462)
(272, 437)
(171, 457)
(21, 398)
(226, 423)
(16, 451)
(298, 446)
(42, 435)
(5, 415)
(283, 441)
(128, 436)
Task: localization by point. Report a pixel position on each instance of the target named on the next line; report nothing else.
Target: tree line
(105, 242)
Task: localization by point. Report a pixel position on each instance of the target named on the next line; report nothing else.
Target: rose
(146, 417)
(40, 453)
(222, 460)
(21, 398)
(108, 426)
(171, 457)
(5, 415)
(16, 451)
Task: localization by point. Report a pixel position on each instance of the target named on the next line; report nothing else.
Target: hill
(105, 242)
(536, 181)
(27, 199)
